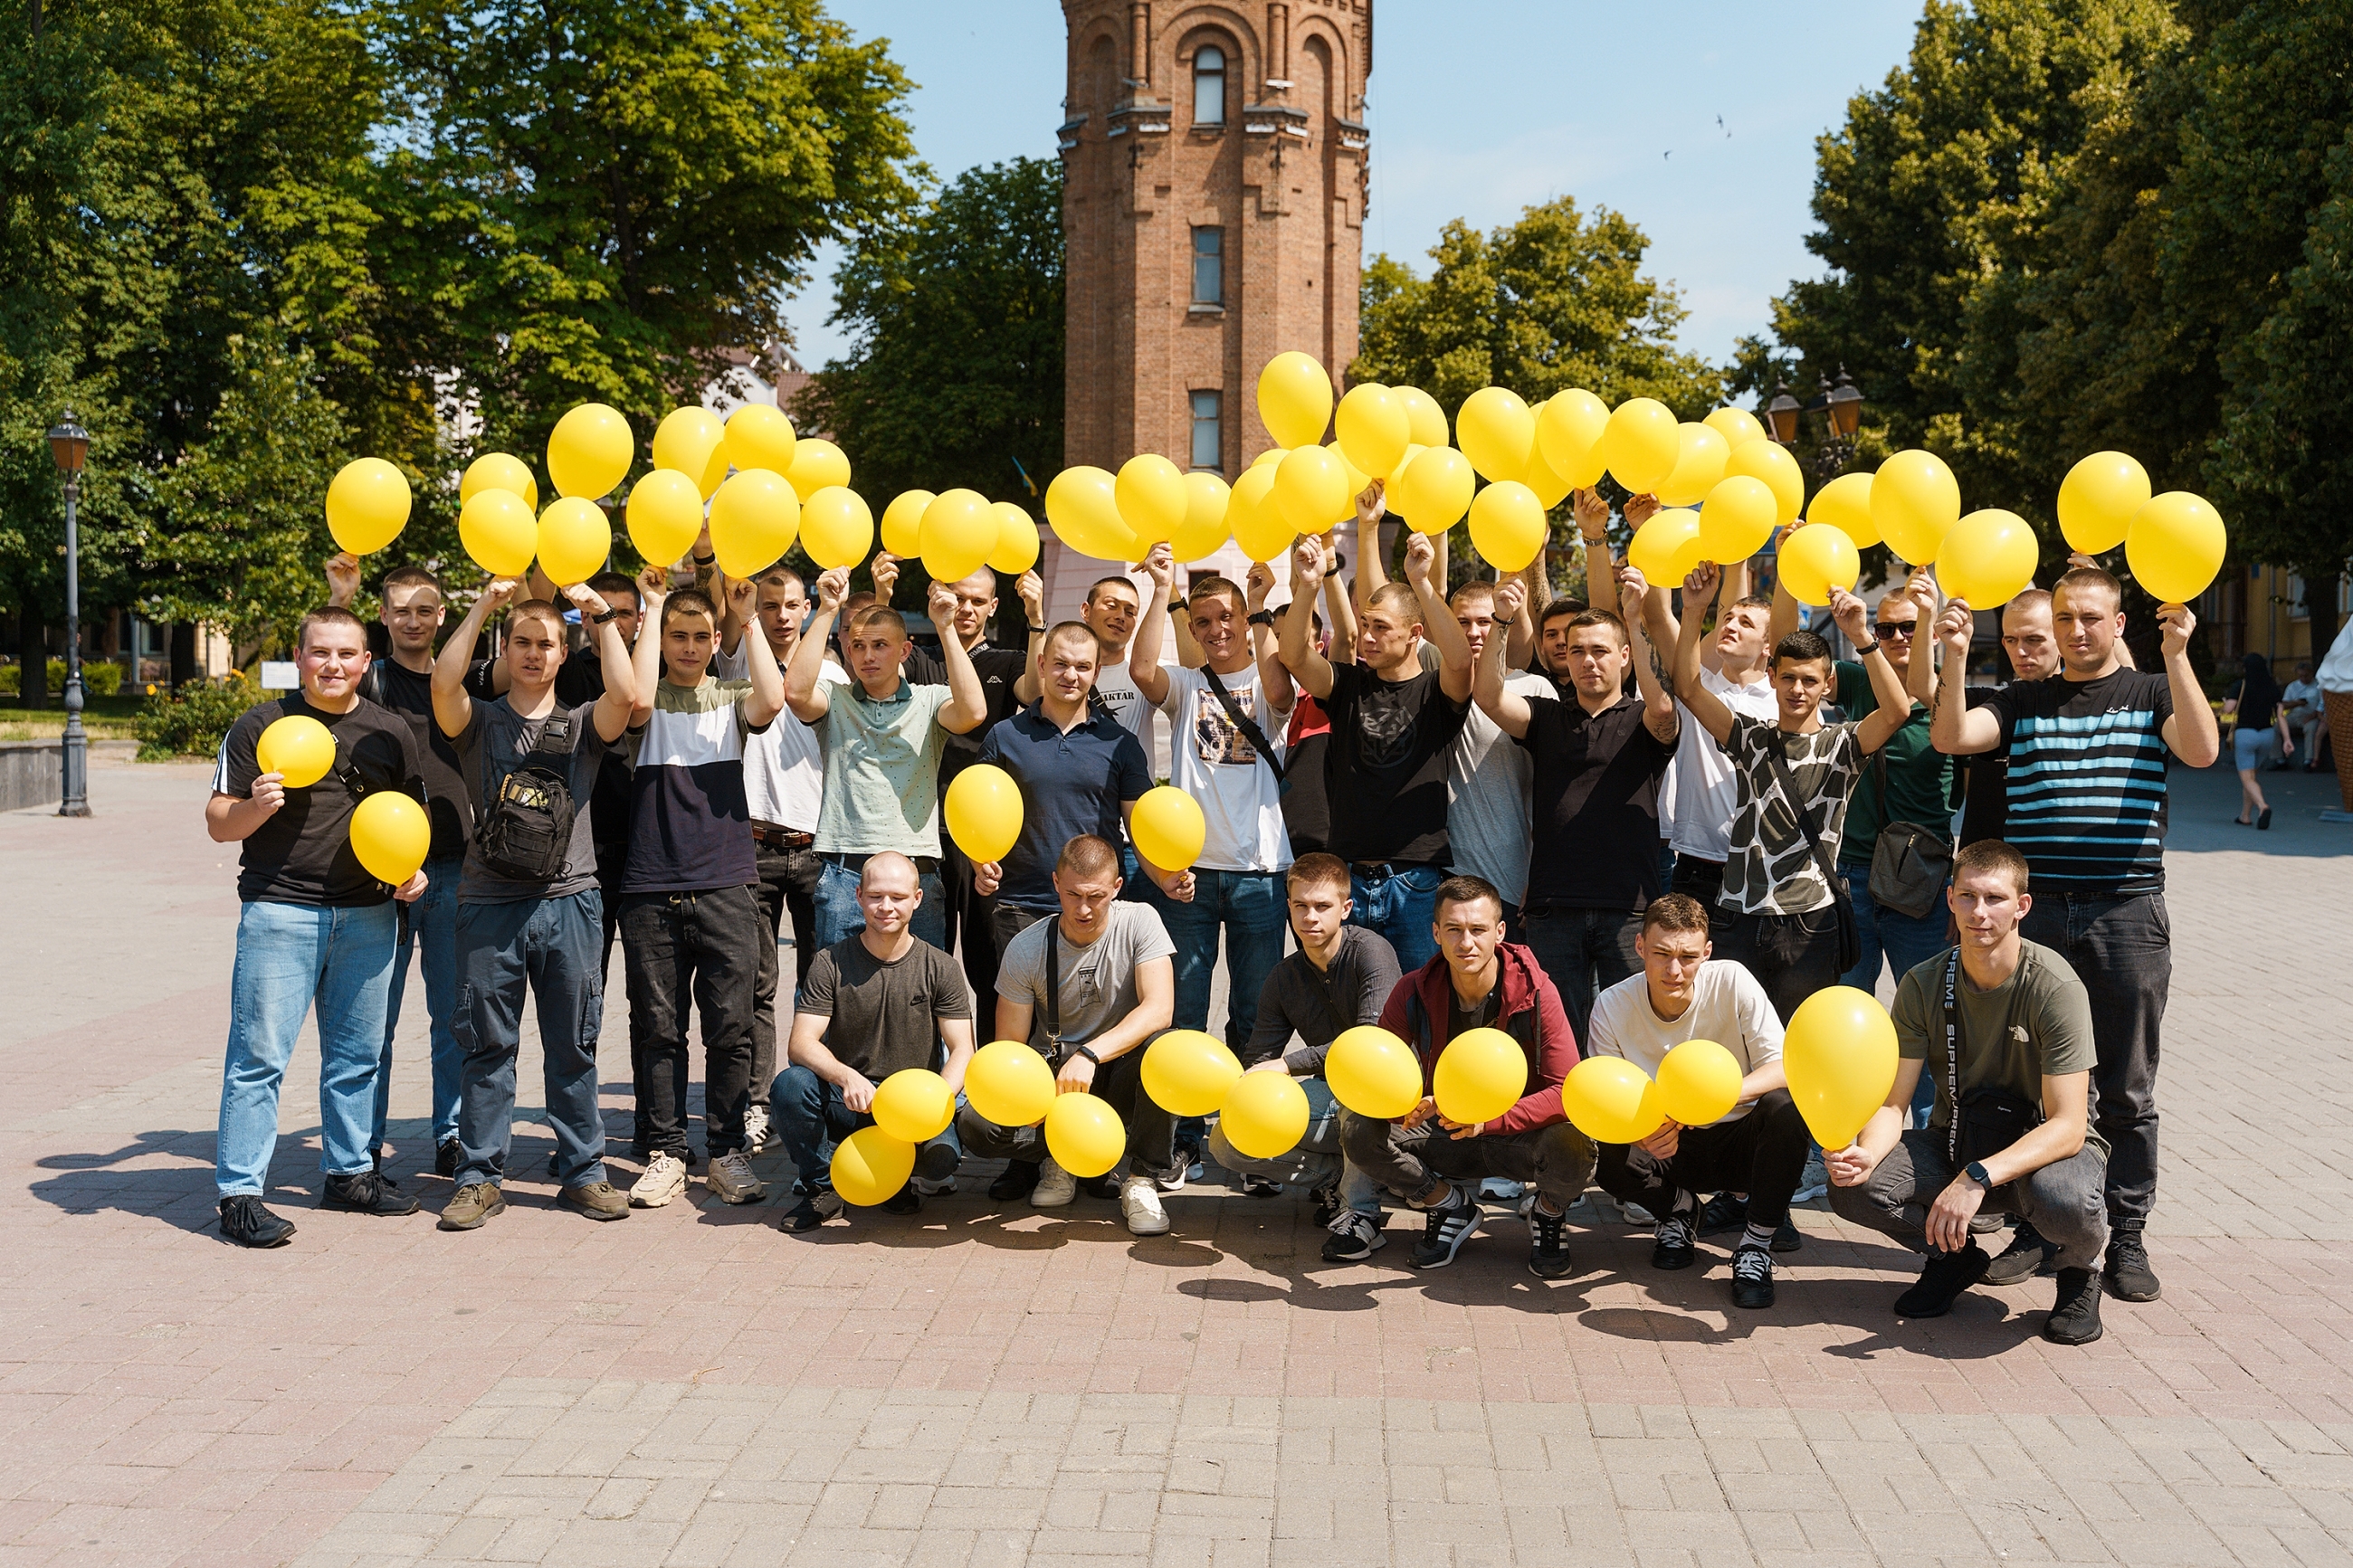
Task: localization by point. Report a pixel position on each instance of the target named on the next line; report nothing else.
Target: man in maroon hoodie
(1478, 981)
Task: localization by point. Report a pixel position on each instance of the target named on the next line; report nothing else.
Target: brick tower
(1213, 161)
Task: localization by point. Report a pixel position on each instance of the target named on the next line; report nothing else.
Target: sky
(1696, 121)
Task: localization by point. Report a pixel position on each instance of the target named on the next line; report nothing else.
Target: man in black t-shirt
(316, 928)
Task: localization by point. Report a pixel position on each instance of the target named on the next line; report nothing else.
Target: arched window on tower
(1208, 85)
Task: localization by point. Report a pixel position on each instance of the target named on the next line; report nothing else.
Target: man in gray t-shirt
(1089, 989)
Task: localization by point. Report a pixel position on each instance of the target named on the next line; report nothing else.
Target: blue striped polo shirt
(2086, 782)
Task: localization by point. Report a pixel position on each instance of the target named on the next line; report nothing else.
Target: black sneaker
(1018, 1180)
(810, 1213)
(1788, 1238)
(244, 1220)
(446, 1156)
(1942, 1280)
(690, 1158)
(1104, 1186)
(1327, 1205)
(1444, 1230)
(1184, 1166)
(907, 1200)
(1673, 1247)
(1261, 1187)
(1549, 1255)
(936, 1161)
(365, 1193)
(1726, 1211)
(2027, 1256)
(1354, 1236)
(1752, 1279)
(2074, 1317)
(2126, 1273)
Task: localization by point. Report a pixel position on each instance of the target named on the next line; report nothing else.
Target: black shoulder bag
(525, 832)
(1849, 937)
(1248, 726)
(1986, 1120)
(1909, 864)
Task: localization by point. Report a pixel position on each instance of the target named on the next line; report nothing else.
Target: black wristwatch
(706, 560)
(1036, 630)
(1070, 1051)
(608, 615)
(1869, 648)
(1975, 1172)
(1264, 618)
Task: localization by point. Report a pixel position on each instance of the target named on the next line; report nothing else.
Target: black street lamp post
(69, 445)
(1841, 406)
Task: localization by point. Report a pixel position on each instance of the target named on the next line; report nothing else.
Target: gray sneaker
(731, 1180)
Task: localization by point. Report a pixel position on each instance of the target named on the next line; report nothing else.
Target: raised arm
(453, 710)
(1143, 650)
(646, 660)
(1520, 634)
(342, 579)
(768, 698)
(803, 692)
(1309, 667)
(1895, 707)
(967, 704)
(1264, 644)
(1953, 727)
(1658, 714)
(1438, 623)
(1030, 589)
(1339, 611)
(2192, 732)
(1713, 715)
(612, 711)
(1508, 709)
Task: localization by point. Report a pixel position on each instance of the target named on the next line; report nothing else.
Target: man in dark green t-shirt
(2004, 1029)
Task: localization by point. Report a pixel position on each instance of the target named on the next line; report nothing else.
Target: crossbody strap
(1953, 1054)
(1242, 721)
(1777, 755)
(1053, 988)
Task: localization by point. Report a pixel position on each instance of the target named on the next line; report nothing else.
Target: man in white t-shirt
(1488, 779)
(1759, 1146)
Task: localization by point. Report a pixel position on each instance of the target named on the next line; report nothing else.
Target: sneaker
(1722, 1212)
(1327, 1205)
(2126, 1272)
(244, 1220)
(597, 1200)
(935, 1166)
(1496, 1189)
(1636, 1214)
(690, 1158)
(446, 1156)
(1752, 1279)
(1548, 1257)
(1016, 1181)
(1673, 1247)
(907, 1200)
(1354, 1236)
(551, 1157)
(1055, 1189)
(1814, 1182)
(2074, 1317)
(757, 1135)
(665, 1178)
(1444, 1230)
(932, 1189)
(730, 1179)
(365, 1193)
(1105, 1186)
(1788, 1238)
(810, 1212)
(470, 1205)
(1261, 1187)
(1139, 1206)
(1183, 1167)
(2027, 1256)
(1942, 1279)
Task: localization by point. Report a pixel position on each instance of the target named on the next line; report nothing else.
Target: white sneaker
(1814, 1182)
(757, 1135)
(1636, 1214)
(1055, 1189)
(1139, 1205)
(665, 1178)
(731, 1180)
(931, 1189)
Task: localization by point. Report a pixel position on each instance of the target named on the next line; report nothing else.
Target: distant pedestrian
(2260, 725)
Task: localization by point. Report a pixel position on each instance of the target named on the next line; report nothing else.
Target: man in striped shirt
(2088, 752)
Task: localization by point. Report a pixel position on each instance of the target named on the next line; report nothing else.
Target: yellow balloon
(1435, 491)
(2175, 546)
(1699, 456)
(1641, 444)
(498, 531)
(1412, 450)
(1845, 504)
(298, 748)
(1085, 1134)
(390, 834)
(1550, 486)
(1373, 428)
(1271, 455)
(837, 527)
(1150, 494)
(1009, 1084)
(902, 523)
(1771, 463)
(1914, 500)
(760, 435)
(753, 520)
(1481, 1074)
(983, 807)
(1495, 431)
(1735, 520)
(1610, 1100)
(1188, 1073)
(1374, 1073)
(913, 1105)
(688, 438)
(1017, 539)
(1840, 1050)
(817, 463)
(1425, 421)
(715, 472)
(1988, 558)
(1258, 523)
(1265, 1116)
(574, 539)
(870, 1167)
(1736, 426)
(1568, 433)
(1083, 506)
(367, 505)
(959, 530)
(498, 471)
(1205, 530)
(1311, 490)
(1357, 478)
(1666, 549)
(1294, 399)
(1699, 1083)
(2098, 498)
(589, 452)
(1507, 525)
(1813, 559)
(1167, 827)
(665, 514)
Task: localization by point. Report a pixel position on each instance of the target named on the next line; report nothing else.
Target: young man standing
(529, 910)
(1112, 612)
(2033, 654)
(1757, 1147)
(1088, 990)
(2088, 752)
(315, 929)
(2005, 1028)
(1490, 784)
(873, 1004)
(688, 916)
(1478, 981)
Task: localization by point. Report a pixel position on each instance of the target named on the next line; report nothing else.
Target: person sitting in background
(2307, 713)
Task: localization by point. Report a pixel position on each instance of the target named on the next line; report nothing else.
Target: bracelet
(1082, 1051)
(1869, 648)
(1036, 630)
(706, 560)
(1264, 618)
(608, 615)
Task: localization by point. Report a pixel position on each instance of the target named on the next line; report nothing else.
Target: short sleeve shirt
(1703, 784)
(881, 771)
(2088, 779)
(1098, 986)
(1771, 868)
(410, 695)
(1489, 783)
(689, 828)
(1921, 781)
(883, 1016)
(496, 741)
(2036, 1023)
(1214, 762)
(1727, 1006)
(1072, 783)
(1386, 770)
(1596, 804)
(303, 853)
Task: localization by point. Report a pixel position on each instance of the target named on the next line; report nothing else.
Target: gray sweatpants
(2066, 1202)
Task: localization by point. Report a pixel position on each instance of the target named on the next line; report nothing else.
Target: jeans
(2122, 950)
(1704, 880)
(290, 957)
(1906, 941)
(837, 914)
(1250, 907)
(550, 945)
(700, 949)
(2063, 1201)
(1761, 1154)
(1119, 1083)
(1402, 906)
(432, 932)
(788, 884)
(1315, 1164)
(1557, 1161)
(811, 1119)
(1585, 951)
(1792, 957)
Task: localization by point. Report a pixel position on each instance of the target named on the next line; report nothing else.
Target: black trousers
(1704, 880)
(693, 952)
(1557, 1161)
(787, 885)
(968, 919)
(1762, 1154)
(2122, 950)
(1119, 1083)
(1792, 957)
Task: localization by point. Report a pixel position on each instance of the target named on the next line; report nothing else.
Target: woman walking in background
(2253, 700)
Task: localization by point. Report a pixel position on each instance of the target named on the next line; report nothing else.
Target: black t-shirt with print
(303, 854)
(1386, 770)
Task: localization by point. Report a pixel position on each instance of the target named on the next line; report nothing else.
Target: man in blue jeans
(316, 928)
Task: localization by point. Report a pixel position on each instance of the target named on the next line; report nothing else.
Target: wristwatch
(1070, 1051)
(608, 615)
(1264, 618)
(1975, 1172)
(1036, 630)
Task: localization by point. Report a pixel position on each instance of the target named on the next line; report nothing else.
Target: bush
(193, 721)
(98, 679)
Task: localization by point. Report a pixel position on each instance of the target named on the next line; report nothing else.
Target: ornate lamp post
(69, 445)
(1841, 406)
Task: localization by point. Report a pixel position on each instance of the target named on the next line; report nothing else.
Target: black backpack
(525, 831)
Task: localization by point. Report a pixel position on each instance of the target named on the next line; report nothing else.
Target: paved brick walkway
(985, 1385)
